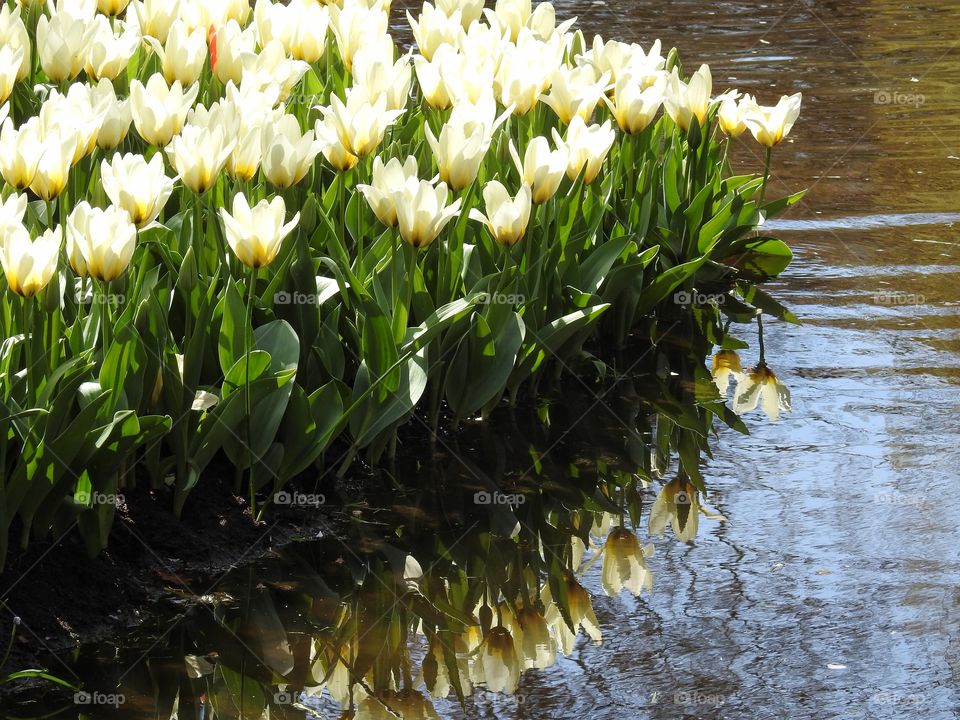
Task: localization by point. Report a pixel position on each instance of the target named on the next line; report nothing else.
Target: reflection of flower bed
(154, 323)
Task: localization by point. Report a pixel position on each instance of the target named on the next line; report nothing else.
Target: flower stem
(248, 342)
(760, 332)
(766, 174)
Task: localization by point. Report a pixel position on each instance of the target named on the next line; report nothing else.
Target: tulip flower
(587, 147)
(288, 154)
(10, 58)
(198, 154)
(386, 178)
(434, 28)
(536, 647)
(677, 505)
(29, 264)
(581, 615)
(159, 111)
(81, 111)
(12, 211)
(726, 365)
(378, 74)
(183, 54)
(333, 149)
(301, 27)
(272, 69)
(624, 565)
(360, 121)
(761, 386)
(56, 156)
(506, 217)
(686, 101)
(255, 234)
(155, 17)
(433, 87)
(112, 7)
(354, 24)
(521, 78)
(422, 211)
(634, 106)
(498, 665)
(575, 93)
(464, 140)
(542, 168)
(733, 113)
(510, 16)
(139, 187)
(470, 10)
(467, 79)
(482, 43)
(108, 53)
(770, 125)
(103, 241)
(14, 36)
(231, 46)
(20, 152)
(396, 704)
(62, 43)
(115, 126)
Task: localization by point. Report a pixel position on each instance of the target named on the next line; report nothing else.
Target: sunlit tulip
(686, 101)
(587, 147)
(159, 111)
(677, 505)
(506, 218)
(581, 615)
(498, 664)
(20, 152)
(575, 93)
(183, 54)
(112, 7)
(434, 28)
(103, 239)
(761, 386)
(9, 62)
(12, 211)
(354, 24)
(14, 35)
(108, 53)
(81, 111)
(510, 15)
(115, 126)
(433, 89)
(272, 69)
(29, 264)
(467, 79)
(770, 125)
(333, 149)
(288, 154)
(215, 13)
(483, 44)
(422, 211)
(542, 168)
(232, 46)
(463, 142)
(732, 114)
(62, 43)
(634, 106)
(155, 16)
(301, 26)
(726, 365)
(624, 565)
(56, 156)
(470, 10)
(386, 178)
(255, 234)
(198, 154)
(378, 74)
(522, 77)
(360, 121)
(139, 187)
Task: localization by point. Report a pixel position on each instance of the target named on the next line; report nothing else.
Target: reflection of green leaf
(239, 697)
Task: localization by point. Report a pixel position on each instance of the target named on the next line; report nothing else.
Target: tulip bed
(251, 233)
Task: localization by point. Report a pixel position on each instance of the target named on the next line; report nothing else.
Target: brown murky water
(833, 590)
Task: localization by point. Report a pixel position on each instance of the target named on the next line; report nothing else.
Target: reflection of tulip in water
(396, 705)
(678, 505)
(624, 565)
(537, 648)
(581, 615)
(761, 386)
(498, 665)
